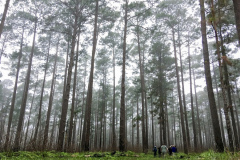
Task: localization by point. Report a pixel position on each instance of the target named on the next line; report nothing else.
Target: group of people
(163, 149)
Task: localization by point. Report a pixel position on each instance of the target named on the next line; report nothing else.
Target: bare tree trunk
(41, 97)
(45, 136)
(191, 95)
(73, 97)
(67, 90)
(25, 94)
(114, 99)
(14, 95)
(122, 136)
(185, 144)
(228, 123)
(4, 16)
(87, 120)
(30, 114)
(236, 4)
(183, 91)
(212, 103)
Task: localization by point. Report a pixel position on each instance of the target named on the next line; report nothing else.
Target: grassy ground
(209, 155)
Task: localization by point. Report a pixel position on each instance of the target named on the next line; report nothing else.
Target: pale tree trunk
(41, 97)
(30, 114)
(212, 103)
(137, 123)
(45, 136)
(4, 16)
(191, 96)
(198, 116)
(219, 107)
(183, 91)
(14, 95)
(113, 112)
(87, 120)
(185, 144)
(25, 94)
(122, 136)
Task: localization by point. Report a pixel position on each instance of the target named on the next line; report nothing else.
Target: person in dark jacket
(159, 151)
(170, 150)
(174, 149)
(155, 151)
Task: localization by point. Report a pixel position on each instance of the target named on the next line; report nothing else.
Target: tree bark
(73, 98)
(191, 96)
(67, 90)
(41, 97)
(122, 136)
(185, 144)
(45, 138)
(212, 103)
(25, 93)
(4, 16)
(86, 127)
(236, 4)
(14, 95)
(114, 102)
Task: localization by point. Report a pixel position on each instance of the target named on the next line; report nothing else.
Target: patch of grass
(129, 155)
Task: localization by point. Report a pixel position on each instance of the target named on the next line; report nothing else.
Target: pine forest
(119, 75)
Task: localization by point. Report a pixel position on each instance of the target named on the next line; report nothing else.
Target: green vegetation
(23, 155)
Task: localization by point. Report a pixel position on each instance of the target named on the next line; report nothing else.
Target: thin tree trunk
(67, 90)
(212, 103)
(185, 144)
(87, 120)
(73, 97)
(122, 136)
(219, 107)
(236, 4)
(25, 94)
(183, 91)
(191, 95)
(45, 138)
(4, 16)
(30, 114)
(114, 99)
(14, 95)
(41, 97)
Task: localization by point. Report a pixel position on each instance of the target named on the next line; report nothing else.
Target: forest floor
(129, 155)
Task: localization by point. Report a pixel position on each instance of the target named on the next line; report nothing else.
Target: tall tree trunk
(212, 103)
(236, 4)
(14, 95)
(153, 135)
(142, 94)
(137, 123)
(30, 114)
(228, 122)
(87, 120)
(198, 116)
(73, 97)
(4, 16)
(122, 136)
(219, 107)
(45, 136)
(183, 90)
(25, 94)
(191, 96)
(67, 90)
(185, 144)
(113, 110)
(41, 97)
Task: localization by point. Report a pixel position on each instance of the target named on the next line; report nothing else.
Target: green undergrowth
(129, 155)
